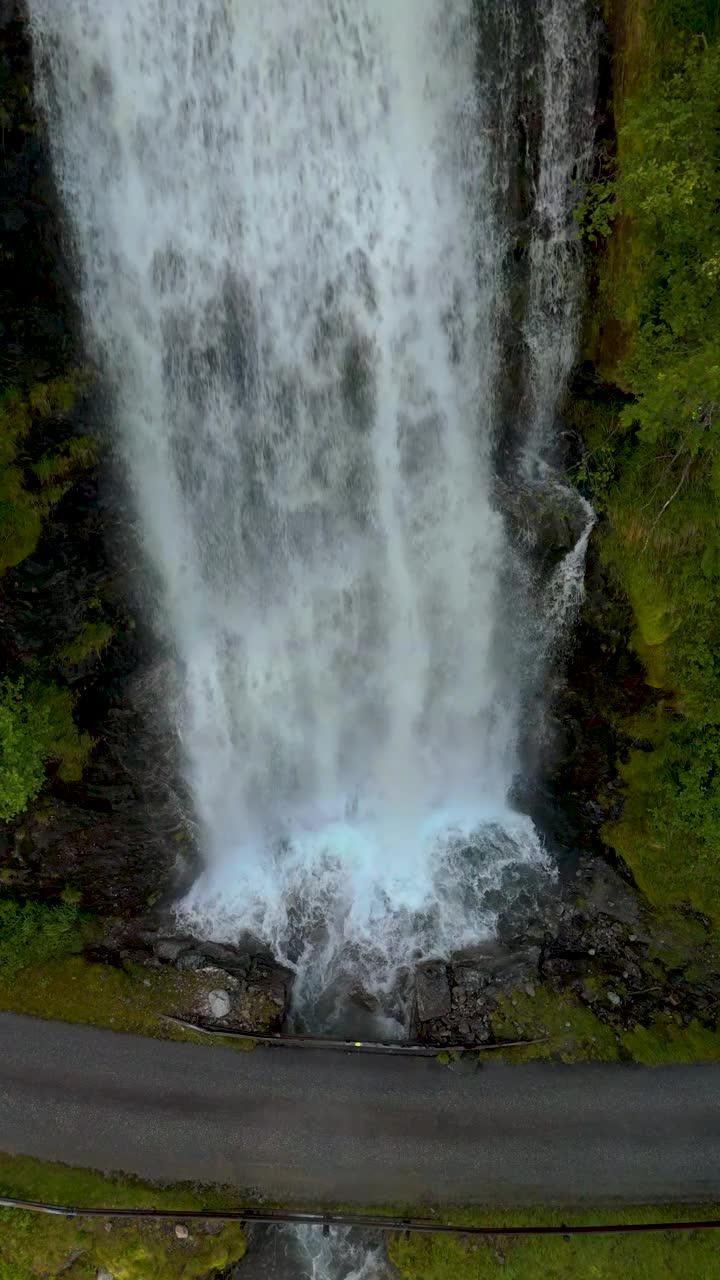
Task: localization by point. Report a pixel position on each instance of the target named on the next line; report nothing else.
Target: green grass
(573, 1032)
(43, 974)
(668, 1041)
(32, 1246)
(33, 933)
(134, 999)
(636, 1257)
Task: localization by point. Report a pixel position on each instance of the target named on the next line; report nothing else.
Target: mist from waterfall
(294, 228)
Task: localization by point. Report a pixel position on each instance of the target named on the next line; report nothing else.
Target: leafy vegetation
(28, 493)
(677, 18)
(33, 933)
(36, 725)
(33, 1246)
(653, 463)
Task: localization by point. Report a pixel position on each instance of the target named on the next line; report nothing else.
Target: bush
(683, 17)
(36, 725)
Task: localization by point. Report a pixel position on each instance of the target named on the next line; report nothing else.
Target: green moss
(94, 635)
(668, 1041)
(75, 454)
(45, 1247)
(20, 516)
(28, 494)
(567, 1030)
(678, 18)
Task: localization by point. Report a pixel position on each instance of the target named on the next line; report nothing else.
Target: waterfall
(294, 228)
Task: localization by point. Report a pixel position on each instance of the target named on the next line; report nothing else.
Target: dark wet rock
(116, 837)
(478, 977)
(119, 835)
(257, 1003)
(492, 965)
(363, 999)
(432, 991)
(248, 943)
(192, 961)
(170, 949)
(259, 987)
(546, 516)
(606, 893)
(225, 953)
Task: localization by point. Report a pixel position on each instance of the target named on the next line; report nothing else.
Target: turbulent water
(304, 1253)
(327, 269)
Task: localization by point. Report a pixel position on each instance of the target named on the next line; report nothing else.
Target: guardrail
(416, 1049)
(374, 1222)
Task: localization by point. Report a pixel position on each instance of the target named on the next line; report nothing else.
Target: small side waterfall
(327, 267)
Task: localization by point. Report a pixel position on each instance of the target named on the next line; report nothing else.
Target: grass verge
(637, 1257)
(34, 1246)
(73, 989)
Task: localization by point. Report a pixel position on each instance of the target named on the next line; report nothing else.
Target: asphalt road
(318, 1126)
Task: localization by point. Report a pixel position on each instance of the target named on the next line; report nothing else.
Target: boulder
(218, 1004)
(169, 949)
(227, 956)
(432, 991)
(492, 968)
(191, 960)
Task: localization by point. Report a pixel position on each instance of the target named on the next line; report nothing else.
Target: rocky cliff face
(117, 834)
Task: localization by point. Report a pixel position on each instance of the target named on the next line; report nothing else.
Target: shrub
(36, 725)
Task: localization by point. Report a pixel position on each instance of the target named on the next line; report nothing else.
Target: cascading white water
(291, 253)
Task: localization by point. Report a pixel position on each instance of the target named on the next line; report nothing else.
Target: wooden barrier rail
(374, 1222)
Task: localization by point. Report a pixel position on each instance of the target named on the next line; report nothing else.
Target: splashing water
(292, 237)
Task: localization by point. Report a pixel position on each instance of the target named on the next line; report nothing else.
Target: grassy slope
(43, 974)
(654, 448)
(32, 1246)
(133, 999)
